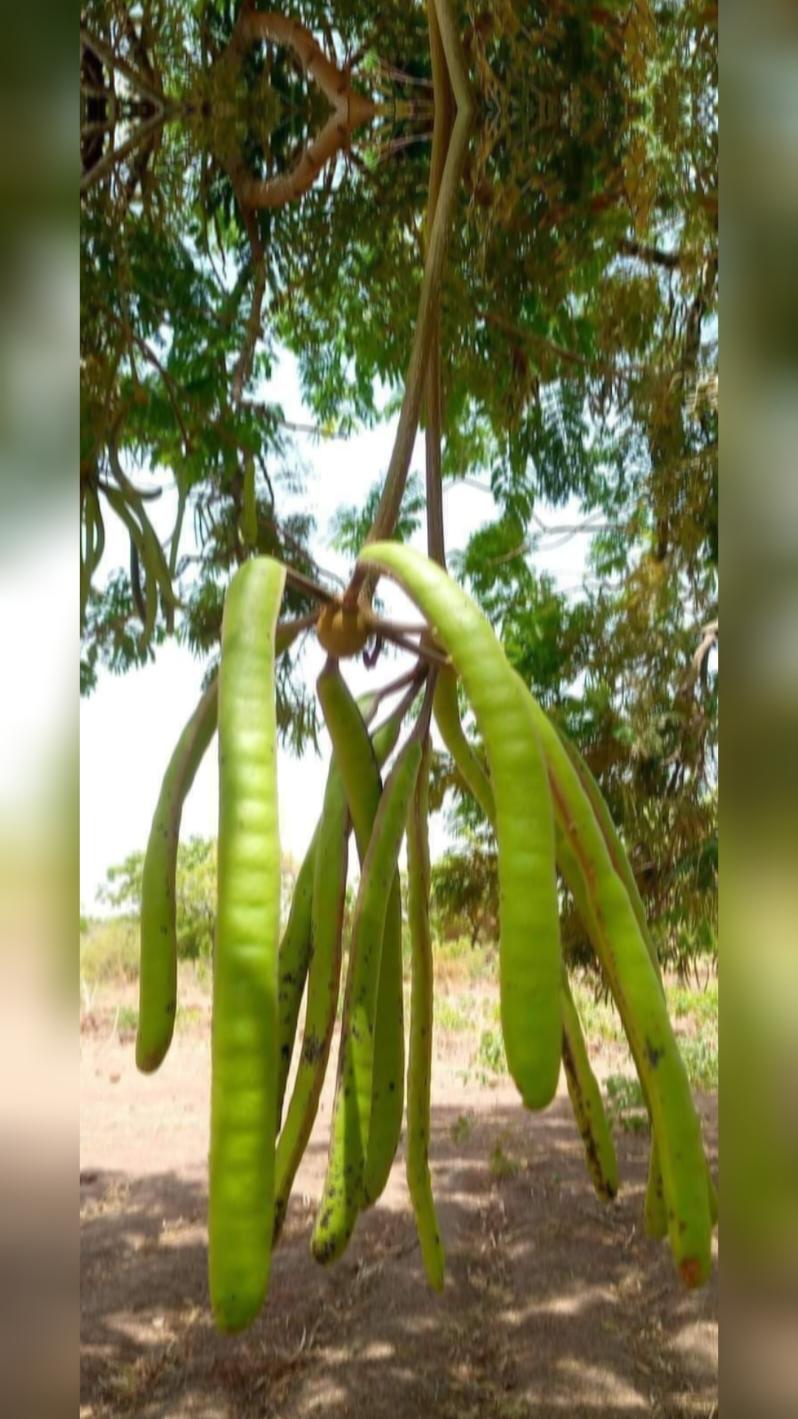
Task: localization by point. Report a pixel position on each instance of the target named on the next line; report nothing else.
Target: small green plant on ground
(625, 1103)
(600, 1019)
(491, 1054)
(461, 1129)
(127, 1020)
(501, 1164)
(701, 1061)
(449, 1016)
(698, 1005)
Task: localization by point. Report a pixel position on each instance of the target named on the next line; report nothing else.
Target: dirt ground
(555, 1304)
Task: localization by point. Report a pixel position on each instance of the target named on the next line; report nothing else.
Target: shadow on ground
(554, 1303)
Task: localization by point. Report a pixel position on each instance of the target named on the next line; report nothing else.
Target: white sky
(129, 725)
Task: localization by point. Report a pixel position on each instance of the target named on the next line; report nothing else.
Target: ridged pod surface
(343, 1194)
(244, 1027)
(293, 960)
(615, 932)
(583, 1089)
(419, 1068)
(158, 964)
(328, 894)
(587, 1102)
(359, 762)
(529, 945)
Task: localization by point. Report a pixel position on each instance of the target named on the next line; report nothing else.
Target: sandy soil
(555, 1304)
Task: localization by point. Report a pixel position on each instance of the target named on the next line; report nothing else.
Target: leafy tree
(579, 353)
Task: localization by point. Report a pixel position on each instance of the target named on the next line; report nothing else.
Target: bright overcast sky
(129, 725)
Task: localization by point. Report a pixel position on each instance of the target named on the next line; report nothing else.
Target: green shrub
(701, 1061)
(491, 1054)
(450, 1017)
(109, 951)
(625, 1103)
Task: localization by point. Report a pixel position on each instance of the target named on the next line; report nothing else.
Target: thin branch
(113, 61)
(255, 323)
(391, 501)
(115, 156)
(309, 587)
(455, 56)
(652, 255)
(253, 26)
(444, 107)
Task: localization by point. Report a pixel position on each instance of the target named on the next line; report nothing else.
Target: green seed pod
(292, 967)
(419, 1069)
(342, 1198)
(606, 906)
(447, 718)
(528, 908)
(587, 1103)
(244, 1029)
(158, 967)
(387, 1099)
(327, 915)
(328, 895)
(360, 772)
(617, 936)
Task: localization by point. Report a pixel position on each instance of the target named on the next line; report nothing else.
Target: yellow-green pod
(342, 1197)
(419, 1068)
(528, 907)
(327, 915)
(656, 1221)
(244, 1026)
(358, 761)
(292, 968)
(387, 1099)
(617, 936)
(655, 1213)
(608, 911)
(447, 717)
(328, 894)
(158, 964)
(588, 1107)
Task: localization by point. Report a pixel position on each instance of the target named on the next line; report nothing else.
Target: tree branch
(455, 56)
(112, 61)
(253, 26)
(444, 107)
(391, 501)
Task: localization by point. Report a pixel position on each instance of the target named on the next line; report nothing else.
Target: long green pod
(447, 717)
(632, 976)
(342, 1197)
(158, 963)
(529, 944)
(327, 916)
(618, 942)
(419, 1068)
(244, 1027)
(293, 960)
(655, 1211)
(359, 770)
(587, 1103)
(388, 1081)
(615, 847)
(583, 1089)
(324, 978)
